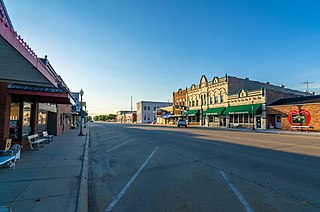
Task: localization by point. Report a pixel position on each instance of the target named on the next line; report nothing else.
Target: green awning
(192, 112)
(214, 111)
(255, 109)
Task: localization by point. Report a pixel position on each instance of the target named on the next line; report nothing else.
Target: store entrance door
(222, 121)
(258, 122)
(278, 121)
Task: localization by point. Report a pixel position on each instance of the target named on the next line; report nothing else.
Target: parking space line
(118, 146)
(238, 194)
(126, 187)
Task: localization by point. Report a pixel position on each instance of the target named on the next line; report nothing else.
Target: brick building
(293, 113)
(179, 104)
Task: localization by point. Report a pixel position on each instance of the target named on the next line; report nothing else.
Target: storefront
(215, 117)
(246, 116)
(193, 117)
(301, 113)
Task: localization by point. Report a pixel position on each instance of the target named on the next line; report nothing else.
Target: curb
(82, 202)
(309, 134)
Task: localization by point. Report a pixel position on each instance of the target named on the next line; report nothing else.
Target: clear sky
(113, 49)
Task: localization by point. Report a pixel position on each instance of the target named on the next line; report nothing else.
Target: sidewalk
(47, 179)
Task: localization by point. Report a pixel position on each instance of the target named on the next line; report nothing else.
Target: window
(241, 118)
(144, 108)
(210, 100)
(216, 119)
(148, 107)
(236, 118)
(221, 98)
(216, 99)
(26, 120)
(14, 121)
(197, 102)
(148, 118)
(154, 108)
(145, 118)
(42, 120)
(246, 118)
(231, 118)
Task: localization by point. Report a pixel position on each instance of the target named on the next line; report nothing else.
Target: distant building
(165, 115)
(147, 111)
(125, 116)
(179, 104)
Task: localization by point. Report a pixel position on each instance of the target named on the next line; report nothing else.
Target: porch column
(34, 116)
(5, 106)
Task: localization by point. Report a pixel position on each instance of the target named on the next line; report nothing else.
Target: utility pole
(307, 85)
(131, 111)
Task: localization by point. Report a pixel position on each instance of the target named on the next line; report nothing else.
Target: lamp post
(252, 116)
(81, 94)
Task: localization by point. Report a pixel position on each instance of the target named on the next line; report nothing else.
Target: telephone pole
(307, 85)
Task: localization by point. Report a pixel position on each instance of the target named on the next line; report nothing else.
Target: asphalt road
(152, 168)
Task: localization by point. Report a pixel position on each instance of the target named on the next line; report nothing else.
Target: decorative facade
(232, 102)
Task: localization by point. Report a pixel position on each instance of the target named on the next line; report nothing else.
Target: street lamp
(81, 94)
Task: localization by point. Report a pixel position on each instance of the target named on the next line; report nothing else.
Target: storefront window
(241, 118)
(231, 118)
(216, 119)
(26, 122)
(42, 121)
(236, 118)
(14, 120)
(246, 118)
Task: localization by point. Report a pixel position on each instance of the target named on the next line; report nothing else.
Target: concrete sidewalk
(47, 179)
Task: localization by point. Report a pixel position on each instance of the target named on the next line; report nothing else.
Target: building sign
(76, 98)
(299, 118)
(8, 144)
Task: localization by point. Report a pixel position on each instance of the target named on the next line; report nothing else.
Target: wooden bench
(47, 136)
(35, 140)
(7, 156)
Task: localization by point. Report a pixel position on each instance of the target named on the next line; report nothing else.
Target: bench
(35, 140)
(47, 136)
(7, 156)
(302, 128)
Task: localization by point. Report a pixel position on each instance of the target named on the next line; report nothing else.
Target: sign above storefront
(299, 118)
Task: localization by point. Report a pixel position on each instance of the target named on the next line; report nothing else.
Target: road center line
(118, 146)
(235, 190)
(126, 187)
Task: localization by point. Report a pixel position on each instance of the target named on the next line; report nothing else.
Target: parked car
(182, 122)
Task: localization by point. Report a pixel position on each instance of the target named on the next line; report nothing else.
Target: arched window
(221, 96)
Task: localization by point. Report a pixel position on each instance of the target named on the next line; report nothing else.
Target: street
(157, 168)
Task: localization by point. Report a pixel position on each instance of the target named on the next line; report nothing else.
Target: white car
(182, 122)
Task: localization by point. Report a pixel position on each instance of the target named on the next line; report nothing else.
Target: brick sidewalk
(47, 179)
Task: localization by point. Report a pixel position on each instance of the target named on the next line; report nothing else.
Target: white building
(147, 111)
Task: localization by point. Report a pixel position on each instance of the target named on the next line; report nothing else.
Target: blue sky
(113, 49)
